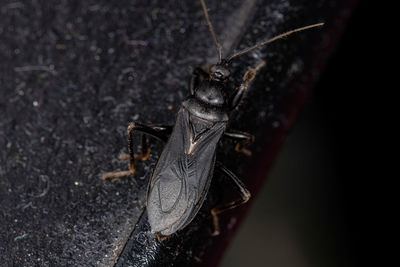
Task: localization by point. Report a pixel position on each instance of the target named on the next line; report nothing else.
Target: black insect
(183, 173)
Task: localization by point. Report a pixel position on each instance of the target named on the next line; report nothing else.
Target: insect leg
(247, 78)
(160, 132)
(244, 193)
(161, 238)
(242, 140)
(198, 75)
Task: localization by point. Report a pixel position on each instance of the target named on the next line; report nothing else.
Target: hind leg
(244, 197)
(160, 132)
(162, 238)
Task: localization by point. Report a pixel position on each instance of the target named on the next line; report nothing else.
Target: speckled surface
(73, 74)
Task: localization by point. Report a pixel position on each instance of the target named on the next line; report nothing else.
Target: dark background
(316, 206)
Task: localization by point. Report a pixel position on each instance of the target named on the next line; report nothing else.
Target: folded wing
(179, 181)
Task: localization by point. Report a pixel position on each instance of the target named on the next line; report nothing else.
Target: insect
(183, 173)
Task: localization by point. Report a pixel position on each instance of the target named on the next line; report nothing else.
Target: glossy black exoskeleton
(183, 173)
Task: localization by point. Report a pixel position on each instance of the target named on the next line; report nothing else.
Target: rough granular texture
(73, 74)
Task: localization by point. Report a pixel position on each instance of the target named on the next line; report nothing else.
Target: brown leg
(247, 78)
(243, 140)
(244, 193)
(158, 131)
(161, 237)
(251, 73)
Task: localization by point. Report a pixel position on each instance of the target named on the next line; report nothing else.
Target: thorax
(208, 103)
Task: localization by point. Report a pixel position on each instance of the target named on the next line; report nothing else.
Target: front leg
(242, 140)
(237, 97)
(161, 132)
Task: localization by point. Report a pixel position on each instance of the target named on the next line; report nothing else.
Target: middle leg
(160, 132)
(242, 139)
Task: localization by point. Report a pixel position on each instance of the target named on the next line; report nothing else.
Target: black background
(336, 139)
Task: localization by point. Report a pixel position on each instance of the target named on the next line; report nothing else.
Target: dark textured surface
(73, 74)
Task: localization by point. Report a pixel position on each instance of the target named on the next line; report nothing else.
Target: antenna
(280, 36)
(219, 47)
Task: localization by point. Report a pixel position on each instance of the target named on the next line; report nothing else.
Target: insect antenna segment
(210, 26)
(280, 36)
(248, 49)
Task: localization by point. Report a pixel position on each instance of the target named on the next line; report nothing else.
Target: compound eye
(225, 72)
